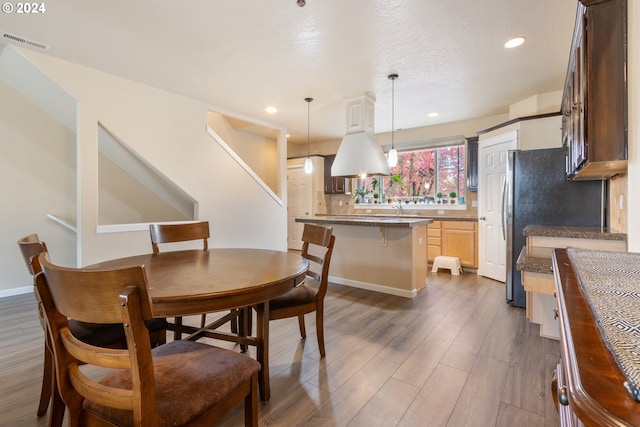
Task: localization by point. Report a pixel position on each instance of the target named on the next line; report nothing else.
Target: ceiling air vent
(26, 42)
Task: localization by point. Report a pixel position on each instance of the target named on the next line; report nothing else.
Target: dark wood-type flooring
(456, 355)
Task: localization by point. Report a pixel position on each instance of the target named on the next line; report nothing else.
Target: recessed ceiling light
(271, 110)
(515, 42)
(433, 114)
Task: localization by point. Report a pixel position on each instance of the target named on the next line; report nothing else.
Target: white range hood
(359, 152)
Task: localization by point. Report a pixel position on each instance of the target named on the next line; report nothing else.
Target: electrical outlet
(440, 212)
(474, 204)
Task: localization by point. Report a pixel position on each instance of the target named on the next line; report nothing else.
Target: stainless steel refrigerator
(539, 194)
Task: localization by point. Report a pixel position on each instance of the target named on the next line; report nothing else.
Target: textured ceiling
(246, 55)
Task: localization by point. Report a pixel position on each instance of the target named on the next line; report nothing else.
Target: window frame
(425, 201)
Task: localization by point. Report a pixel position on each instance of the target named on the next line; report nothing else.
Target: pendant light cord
(393, 110)
(393, 78)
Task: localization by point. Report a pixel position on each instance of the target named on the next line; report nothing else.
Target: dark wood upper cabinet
(472, 163)
(594, 104)
(333, 184)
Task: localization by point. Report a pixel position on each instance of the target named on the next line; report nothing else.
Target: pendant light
(308, 165)
(392, 157)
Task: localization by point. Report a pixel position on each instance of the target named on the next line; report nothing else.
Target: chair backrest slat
(173, 233)
(31, 246)
(317, 238)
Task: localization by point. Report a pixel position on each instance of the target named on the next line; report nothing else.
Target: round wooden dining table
(193, 282)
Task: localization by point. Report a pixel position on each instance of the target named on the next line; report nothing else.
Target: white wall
(169, 131)
(259, 152)
(466, 128)
(37, 177)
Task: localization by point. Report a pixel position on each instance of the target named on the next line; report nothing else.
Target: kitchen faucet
(399, 207)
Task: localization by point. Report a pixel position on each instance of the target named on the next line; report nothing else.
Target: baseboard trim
(374, 287)
(15, 291)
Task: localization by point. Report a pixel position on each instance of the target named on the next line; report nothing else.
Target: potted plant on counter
(453, 196)
(359, 194)
(439, 196)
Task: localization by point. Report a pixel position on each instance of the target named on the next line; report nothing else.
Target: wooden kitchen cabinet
(594, 102)
(453, 238)
(472, 163)
(434, 240)
(334, 184)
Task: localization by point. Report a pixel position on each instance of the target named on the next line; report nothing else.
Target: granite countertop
(573, 232)
(368, 220)
(391, 215)
(534, 262)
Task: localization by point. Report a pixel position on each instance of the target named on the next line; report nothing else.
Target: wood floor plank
(435, 402)
(527, 378)
(387, 406)
(510, 416)
(345, 403)
(480, 399)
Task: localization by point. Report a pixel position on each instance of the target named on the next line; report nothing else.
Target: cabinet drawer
(459, 225)
(432, 252)
(435, 241)
(434, 232)
(435, 225)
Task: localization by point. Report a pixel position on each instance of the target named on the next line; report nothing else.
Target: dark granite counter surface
(572, 232)
(400, 221)
(534, 263)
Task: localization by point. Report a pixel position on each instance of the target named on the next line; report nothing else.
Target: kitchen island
(379, 253)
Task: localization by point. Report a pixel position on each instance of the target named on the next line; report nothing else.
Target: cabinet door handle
(563, 396)
(483, 218)
(504, 209)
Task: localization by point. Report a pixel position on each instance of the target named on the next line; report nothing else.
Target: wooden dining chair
(317, 247)
(104, 335)
(30, 247)
(174, 233)
(181, 383)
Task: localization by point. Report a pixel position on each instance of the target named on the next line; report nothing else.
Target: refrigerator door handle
(504, 211)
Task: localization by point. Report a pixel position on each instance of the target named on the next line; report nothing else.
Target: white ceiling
(246, 55)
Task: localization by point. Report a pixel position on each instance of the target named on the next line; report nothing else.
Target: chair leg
(47, 382)
(249, 320)
(242, 325)
(203, 321)
(251, 403)
(57, 409)
(320, 329)
(177, 335)
(303, 330)
(236, 320)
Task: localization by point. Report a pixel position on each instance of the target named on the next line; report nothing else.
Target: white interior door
(492, 186)
(299, 197)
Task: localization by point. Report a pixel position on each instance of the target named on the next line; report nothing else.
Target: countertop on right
(573, 232)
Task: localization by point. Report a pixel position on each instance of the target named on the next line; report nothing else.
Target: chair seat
(109, 335)
(300, 295)
(190, 379)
